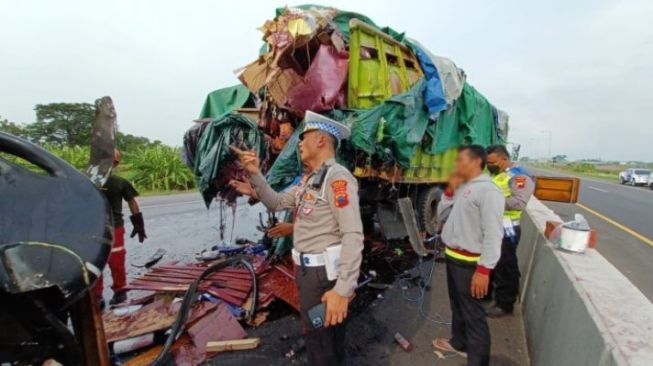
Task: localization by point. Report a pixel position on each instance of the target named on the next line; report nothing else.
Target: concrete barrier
(578, 309)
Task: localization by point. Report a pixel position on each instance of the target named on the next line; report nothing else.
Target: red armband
(483, 270)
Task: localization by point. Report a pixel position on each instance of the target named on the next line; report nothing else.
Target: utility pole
(550, 138)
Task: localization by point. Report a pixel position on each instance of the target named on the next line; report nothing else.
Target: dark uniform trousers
(324, 346)
(506, 273)
(469, 328)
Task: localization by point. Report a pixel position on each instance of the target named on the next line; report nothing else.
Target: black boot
(118, 297)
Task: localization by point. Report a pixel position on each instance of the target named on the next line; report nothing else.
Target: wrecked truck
(408, 110)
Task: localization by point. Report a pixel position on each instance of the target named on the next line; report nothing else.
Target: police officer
(327, 216)
(517, 187)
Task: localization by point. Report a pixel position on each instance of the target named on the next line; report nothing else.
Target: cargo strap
(462, 255)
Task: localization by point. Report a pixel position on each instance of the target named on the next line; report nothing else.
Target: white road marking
(598, 189)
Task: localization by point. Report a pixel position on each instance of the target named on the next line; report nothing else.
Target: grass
(606, 173)
(155, 170)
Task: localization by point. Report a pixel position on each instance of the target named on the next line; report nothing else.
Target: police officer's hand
(247, 158)
(336, 308)
(480, 284)
(243, 187)
(280, 230)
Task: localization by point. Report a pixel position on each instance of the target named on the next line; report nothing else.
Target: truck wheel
(427, 205)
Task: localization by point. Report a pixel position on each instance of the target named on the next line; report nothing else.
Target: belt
(462, 255)
(308, 260)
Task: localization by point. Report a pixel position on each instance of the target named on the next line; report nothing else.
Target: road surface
(623, 218)
(182, 225)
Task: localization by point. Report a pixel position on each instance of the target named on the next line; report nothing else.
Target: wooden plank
(233, 345)
(89, 330)
(156, 316)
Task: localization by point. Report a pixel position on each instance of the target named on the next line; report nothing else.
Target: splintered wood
(233, 345)
(155, 316)
(232, 285)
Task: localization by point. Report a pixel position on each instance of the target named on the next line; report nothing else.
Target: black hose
(190, 299)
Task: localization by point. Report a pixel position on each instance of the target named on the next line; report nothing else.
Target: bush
(77, 156)
(583, 168)
(154, 168)
(158, 168)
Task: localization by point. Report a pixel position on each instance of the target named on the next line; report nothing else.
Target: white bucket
(574, 239)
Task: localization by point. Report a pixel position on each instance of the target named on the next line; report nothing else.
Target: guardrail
(578, 309)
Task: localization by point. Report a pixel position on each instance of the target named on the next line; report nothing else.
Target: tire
(621, 180)
(426, 207)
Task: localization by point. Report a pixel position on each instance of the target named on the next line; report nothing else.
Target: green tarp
(397, 125)
(213, 149)
(469, 121)
(287, 165)
(392, 130)
(224, 100)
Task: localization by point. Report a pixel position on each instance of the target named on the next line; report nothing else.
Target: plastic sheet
(321, 88)
(224, 100)
(214, 163)
(470, 120)
(434, 97)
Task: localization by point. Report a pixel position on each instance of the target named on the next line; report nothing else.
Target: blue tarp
(434, 97)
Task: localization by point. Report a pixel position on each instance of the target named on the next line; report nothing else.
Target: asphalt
(623, 218)
(182, 225)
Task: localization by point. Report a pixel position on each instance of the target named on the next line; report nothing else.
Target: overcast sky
(580, 69)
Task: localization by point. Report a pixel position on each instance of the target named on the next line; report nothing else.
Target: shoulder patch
(520, 181)
(340, 196)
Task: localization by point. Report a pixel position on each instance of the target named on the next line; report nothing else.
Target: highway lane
(630, 206)
(623, 219)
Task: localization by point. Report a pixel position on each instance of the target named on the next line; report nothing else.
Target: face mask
(494, 169)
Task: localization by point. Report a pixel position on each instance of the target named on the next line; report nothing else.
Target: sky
(572, 75)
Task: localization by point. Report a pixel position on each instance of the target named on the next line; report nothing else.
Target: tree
(62, 124)
(559, 159)
(127, 142)
(69, 124)
(12, 128)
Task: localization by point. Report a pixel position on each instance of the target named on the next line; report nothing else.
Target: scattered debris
(403, 342)
(154, 259)
(224, 295)
(233, 345)
(296, 348)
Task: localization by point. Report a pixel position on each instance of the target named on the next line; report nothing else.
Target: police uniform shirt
(521, 189)
(324, 216)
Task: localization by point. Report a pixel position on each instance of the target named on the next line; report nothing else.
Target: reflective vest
(502, 180)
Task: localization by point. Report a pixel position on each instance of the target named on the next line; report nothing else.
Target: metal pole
(550, 138)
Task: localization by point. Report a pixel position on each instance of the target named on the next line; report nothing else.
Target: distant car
(635, 177)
